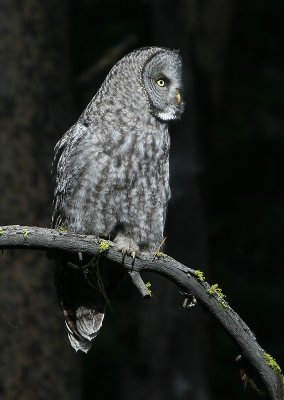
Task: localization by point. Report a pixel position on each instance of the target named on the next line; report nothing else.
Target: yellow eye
(161, 82)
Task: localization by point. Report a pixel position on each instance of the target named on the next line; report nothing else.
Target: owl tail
(82, 300)
(83, 328)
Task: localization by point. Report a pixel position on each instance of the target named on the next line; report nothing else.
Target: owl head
(145, 83)
(161, 81)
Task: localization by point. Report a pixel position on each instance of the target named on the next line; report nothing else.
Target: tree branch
(190, 281)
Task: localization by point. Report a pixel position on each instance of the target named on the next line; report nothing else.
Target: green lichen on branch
(25, 233)
(62, 229)
(199, 275)
(1, 231)
(273, 364)
(103, 245)
(148, 286)
(158, 254)
(215, 290)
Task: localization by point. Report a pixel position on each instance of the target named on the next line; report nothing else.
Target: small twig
(139, 283)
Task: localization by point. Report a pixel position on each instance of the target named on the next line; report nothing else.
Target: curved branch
(190, 281)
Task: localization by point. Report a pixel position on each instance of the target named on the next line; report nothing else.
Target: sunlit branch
(190, 281)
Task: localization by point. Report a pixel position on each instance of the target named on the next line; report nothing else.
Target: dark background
(226, 216)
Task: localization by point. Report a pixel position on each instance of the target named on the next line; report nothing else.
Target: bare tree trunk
(35, 359)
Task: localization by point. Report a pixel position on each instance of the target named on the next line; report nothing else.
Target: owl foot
(126, 245)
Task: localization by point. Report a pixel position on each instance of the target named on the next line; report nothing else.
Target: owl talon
(126, 246)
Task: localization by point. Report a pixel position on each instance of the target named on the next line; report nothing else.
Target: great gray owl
(112, 175)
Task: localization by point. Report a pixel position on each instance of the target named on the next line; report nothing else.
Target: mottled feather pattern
(112, 166)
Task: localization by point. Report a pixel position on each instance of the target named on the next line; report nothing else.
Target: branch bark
(190, 282)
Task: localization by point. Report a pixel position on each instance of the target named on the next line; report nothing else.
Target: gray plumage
(112, 171)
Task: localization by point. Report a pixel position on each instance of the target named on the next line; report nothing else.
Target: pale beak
(178, 97)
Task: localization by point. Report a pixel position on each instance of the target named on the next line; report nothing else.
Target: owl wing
(81, 300)
(65, 170)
